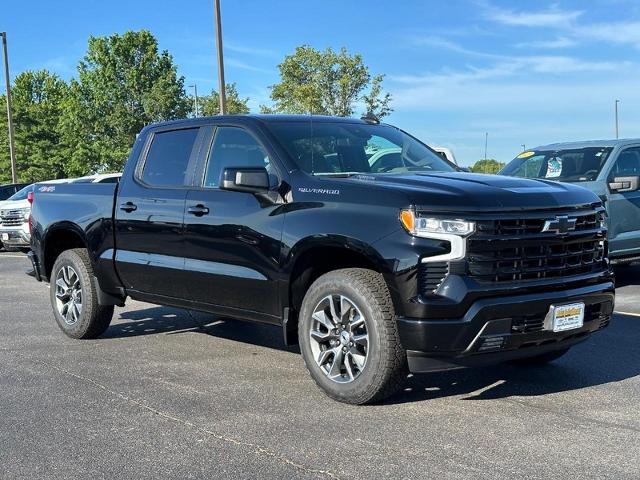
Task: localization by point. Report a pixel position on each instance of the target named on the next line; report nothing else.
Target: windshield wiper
(336, 174)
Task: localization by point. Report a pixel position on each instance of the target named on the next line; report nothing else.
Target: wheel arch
(58, 238)
(314, 256)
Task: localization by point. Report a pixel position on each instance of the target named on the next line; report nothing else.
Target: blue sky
(525, 72)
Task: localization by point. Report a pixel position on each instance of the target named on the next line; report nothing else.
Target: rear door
(233, 239)
(624, 207)
(149, 213)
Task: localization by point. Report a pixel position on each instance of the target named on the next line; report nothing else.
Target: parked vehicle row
(375, 269)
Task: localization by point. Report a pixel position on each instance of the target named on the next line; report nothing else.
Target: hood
(14, 204)
(460, 191)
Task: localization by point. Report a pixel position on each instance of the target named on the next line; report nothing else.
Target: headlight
(426, 227)
(452, 231)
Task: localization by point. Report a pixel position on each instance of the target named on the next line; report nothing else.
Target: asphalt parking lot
(167, 393)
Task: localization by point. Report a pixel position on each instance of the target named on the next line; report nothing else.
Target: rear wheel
(349, 339)
(540, 359)
(73, 293)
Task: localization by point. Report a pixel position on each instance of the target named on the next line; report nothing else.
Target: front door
(149, 215)
(624, 207)
(233, 239)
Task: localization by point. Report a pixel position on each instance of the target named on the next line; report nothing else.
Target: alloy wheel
(339, 338)
(68, 294)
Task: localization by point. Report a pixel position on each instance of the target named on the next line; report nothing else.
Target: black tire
(540, 359)
(385, 367)
(93, 319)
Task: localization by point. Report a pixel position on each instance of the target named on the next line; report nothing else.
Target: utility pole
(195, 100)
(616, 108)
(222, 96)
(12, 143)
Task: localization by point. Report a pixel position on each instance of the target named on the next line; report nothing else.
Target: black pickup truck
(364, 246)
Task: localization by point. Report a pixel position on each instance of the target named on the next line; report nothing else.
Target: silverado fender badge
(324, 191)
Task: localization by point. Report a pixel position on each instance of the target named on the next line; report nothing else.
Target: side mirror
(245, 179)
(624, 184)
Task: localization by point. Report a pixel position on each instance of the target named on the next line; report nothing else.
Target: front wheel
(74, 298)
(349, 339)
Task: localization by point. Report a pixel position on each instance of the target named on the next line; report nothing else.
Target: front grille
(12, 218)
(431, 275)
(516, 249)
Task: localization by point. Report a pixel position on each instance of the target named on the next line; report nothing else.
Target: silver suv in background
(609, 168)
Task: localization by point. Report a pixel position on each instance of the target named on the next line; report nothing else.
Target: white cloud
(619, 33)
(552, 17)
(556, 43)
(233, 62)
(250, 50)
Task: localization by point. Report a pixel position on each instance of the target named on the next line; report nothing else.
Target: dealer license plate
(568, 317)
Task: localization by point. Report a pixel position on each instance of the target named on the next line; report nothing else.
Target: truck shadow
(608, 356)
(171, 321)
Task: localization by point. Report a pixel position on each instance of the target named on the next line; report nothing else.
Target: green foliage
(124, 83)
(488, 165)
(209, 105)
(38, 101)
(327, 83)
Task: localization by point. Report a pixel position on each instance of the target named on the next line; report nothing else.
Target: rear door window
(167, 161)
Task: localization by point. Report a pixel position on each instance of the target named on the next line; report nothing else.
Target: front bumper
(15, 237)
(501, 328)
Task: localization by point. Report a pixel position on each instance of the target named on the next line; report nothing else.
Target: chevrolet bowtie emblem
(560, 224)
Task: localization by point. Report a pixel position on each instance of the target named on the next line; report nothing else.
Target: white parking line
(628, 313)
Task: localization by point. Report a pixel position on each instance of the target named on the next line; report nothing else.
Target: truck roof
(265, 118)
(588, 143)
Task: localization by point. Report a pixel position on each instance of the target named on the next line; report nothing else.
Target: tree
(38, 100)
(123, 84)
(209, 105)
(327, 83)
(487, 165)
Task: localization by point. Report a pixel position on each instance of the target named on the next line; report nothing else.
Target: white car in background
(102, 178)
(14, 218)
(446, 153)
(389, 159)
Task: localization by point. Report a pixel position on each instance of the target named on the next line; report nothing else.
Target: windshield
(571, 165)
(339, 148)
(21, 194)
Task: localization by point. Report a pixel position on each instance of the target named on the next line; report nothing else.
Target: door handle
(128, 207)
(198, 210)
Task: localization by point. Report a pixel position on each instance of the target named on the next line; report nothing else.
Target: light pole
(223, 100)
(616, 109)
(12, 143)
(486, 139)
(195, 100)
(523, 147)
